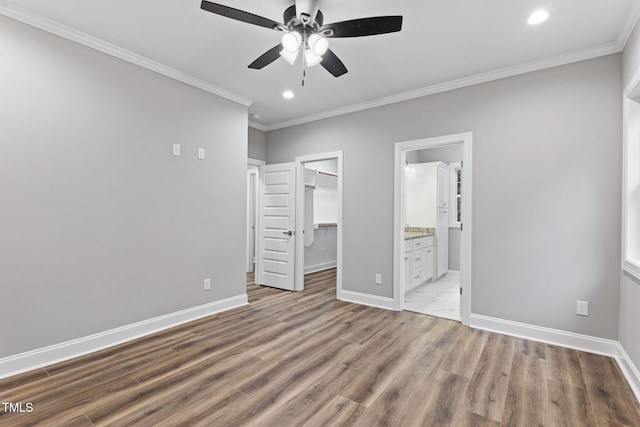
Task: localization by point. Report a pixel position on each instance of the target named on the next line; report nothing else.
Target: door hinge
(460, 291)
(462, 164)
(461, 226)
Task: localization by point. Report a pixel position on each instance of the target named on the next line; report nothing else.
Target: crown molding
(110, 49)
(568, 58)
(257, 125)
(627, 29)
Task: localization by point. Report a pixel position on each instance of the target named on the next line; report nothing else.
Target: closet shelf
(329, 224)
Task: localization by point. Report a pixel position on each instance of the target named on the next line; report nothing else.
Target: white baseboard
(366, 299)
(453, 273)
(39, 358)
(546, 335)
(580, 342)
(629, 370)
(320, 267)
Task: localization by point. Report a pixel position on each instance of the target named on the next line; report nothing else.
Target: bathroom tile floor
(441, 299)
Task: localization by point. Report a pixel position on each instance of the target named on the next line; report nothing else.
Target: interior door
(276, 222)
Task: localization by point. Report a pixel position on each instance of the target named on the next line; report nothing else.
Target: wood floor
(305, 359)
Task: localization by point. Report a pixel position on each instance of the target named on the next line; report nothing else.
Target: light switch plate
(176, 149)
(207, 284)
(201, 153)
(378, 279)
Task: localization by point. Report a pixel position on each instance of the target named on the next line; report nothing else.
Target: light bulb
(318, 44)
(291, 41)
(290, 57)
(538, 17)
(311, 58)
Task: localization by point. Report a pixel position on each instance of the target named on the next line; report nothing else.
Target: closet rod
(328, 173)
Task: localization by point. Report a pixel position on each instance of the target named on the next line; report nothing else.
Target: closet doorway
(252, 203)
(319, 215)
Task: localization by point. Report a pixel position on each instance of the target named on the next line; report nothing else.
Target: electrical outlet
(582, 308)
(207, 284)
(176, 149)
(378, 279)
(201, 153)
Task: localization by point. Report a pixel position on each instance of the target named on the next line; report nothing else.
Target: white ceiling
(441, 41)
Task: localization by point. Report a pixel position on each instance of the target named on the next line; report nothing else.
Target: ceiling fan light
(311, 58)
(291, 41)
(538, 17)
(290, 57)
(318, 44)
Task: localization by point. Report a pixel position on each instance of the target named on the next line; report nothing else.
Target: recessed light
(287, 94)
(538, 17)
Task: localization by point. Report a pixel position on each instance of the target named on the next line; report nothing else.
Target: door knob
(288, 233)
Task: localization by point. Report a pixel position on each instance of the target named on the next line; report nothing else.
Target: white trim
(30, 360)
(627, 29)
(110, 49)
(546, 335)
(568, 58)
(400, 150)
(253, 172)
(632, 268)
(572, 340)
(630, 136)
(629, 370)
(453, 273)
(255, 162)
(300, 194)
(320, 267)
(258, 126)
(368, 299)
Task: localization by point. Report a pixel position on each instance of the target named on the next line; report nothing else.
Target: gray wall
(448, 154)
(547, 159)
(629, 286)
(100, 226)
(257, 144)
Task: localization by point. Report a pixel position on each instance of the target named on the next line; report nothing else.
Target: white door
(276, 222)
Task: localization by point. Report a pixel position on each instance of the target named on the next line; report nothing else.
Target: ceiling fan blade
(240, 15)
(364, 26)
(266, 58)
(332, 64)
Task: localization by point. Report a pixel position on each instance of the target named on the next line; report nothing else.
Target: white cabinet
(444, 181)
(427, 204)
(418, 262)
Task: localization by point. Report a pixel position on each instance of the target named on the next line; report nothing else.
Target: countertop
(411, 233)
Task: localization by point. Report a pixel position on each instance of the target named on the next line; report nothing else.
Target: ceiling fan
(304, 30)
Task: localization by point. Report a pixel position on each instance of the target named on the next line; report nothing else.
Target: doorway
(432, 219)
(319, 216)
(432, 202)
(252, 203)
(322, 226)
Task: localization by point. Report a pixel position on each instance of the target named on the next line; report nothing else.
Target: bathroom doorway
(415, 268)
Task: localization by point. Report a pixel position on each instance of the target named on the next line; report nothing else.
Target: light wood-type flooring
(305, 359)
